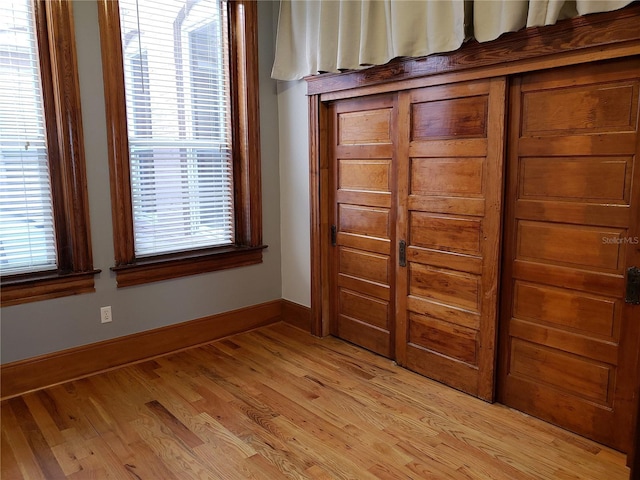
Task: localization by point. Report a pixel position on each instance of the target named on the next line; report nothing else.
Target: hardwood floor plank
(46, 424)
(10, 467)
(98, 474)
(275, 466)
(427, 465)
(146, 463)
(334, 460)
(176, 457)
(223, 466)
(66, 456)
(35, 438)
(277, 403)
(76, 448)
(318, 473)
(52, 408)
(179, 430)
(103, 461)
(221, 439)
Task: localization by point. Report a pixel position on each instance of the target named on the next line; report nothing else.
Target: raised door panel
(450, 191)
(362, 163)
(568, 340)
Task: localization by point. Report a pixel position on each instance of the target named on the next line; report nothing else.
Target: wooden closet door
(362, 167)
(451, 143)
(568, 340)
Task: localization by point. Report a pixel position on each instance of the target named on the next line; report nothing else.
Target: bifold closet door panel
(569, 341)
(450, 172)
(363, 224)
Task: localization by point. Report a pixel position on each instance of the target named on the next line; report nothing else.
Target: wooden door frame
(569, 42)
(319, 183)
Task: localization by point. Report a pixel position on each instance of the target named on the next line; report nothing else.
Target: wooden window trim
(61, 92)
(243, 19)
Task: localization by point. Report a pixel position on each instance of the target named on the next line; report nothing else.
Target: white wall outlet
(105, 314)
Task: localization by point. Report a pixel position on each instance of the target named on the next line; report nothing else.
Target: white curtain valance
(332, 35)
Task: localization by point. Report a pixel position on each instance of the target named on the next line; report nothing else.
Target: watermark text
(621, 240)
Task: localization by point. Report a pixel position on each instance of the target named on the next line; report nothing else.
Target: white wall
(294, 191)
(47, 326)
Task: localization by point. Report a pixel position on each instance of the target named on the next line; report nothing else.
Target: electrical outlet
(105, 314)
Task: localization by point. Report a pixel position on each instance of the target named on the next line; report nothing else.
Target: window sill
(154, 269)
(27, 288)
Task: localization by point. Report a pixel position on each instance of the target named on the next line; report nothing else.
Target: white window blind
(178, 121)
(27, 239)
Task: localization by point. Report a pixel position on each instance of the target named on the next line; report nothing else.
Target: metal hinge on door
(633, 286)
(402, 253)
(334, 235)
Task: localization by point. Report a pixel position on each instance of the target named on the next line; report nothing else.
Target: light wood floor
(278, 403)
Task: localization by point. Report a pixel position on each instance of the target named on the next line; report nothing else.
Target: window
(44, 251)
(181, 94)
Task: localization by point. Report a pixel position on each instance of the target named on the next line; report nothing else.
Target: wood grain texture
(569, 342)
(181, 265)
(492, 224)
(560, 370)
(609, 108)
(278, 403)
(365, 287)
(362, 172)
(38, 372)
(599, 179)
(403, 190)
(458, 289)
(463, 176)
(367, 221)
(453, 219)
(352, 173)
(369, 309)
(365, 334)
(556, 243)
(445, 233)
(451, 118)
(319, 225)
(364, 265)
(451, 339)
(576, 312)
(366, 127)
(33, 288)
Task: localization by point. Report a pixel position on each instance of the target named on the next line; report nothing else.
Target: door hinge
(633, 286)
(334, 235)
(402, 253)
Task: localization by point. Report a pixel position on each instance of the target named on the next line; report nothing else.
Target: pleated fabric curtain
(328, 36)
(492, 18)
(316, 36)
